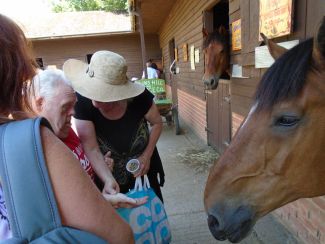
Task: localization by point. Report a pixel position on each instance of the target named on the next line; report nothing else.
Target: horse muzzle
(232, 224)
(212, 82)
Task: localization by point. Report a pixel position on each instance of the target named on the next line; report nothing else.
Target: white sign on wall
(263, 58)
(197, 56)
(192, 58)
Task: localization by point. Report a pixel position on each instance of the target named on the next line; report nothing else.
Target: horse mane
(215, 36)
(285, 79)
(321, 38)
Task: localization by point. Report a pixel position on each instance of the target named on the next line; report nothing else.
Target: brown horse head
(277, 155)
(216, 55)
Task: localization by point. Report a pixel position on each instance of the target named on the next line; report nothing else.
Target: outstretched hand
(120, 200)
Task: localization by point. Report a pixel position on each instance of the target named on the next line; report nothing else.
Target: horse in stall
(278, 154)
(216, 56)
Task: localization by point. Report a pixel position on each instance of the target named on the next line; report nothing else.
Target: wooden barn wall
(184, 25)
(55, 52)
(193, 111)
(305, 217)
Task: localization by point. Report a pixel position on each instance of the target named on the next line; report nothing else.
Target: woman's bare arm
(87, 134)
(154, 118)
(80, 204)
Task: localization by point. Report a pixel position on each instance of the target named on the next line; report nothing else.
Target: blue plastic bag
(149, 221)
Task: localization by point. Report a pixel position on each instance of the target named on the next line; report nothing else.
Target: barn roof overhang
(153, 12)
(97, 24)
(64, 37)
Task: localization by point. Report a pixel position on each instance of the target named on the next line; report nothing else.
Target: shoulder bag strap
(28, 192)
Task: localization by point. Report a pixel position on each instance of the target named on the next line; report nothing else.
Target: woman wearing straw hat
(112, 115)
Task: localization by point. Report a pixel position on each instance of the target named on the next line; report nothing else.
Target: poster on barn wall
(176, 54)
(275, 18)
(236, 35)
(185, 57)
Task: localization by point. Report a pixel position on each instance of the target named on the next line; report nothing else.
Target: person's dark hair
(17, 67)
(154, 65)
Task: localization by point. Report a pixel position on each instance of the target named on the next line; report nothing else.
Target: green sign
(155, 86)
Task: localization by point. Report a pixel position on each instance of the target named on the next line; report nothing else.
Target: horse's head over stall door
(278, 153)
(216, 56)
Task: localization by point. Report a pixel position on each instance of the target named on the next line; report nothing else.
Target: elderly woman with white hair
(54, 99)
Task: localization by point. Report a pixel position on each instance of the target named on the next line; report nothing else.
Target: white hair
(46, 82)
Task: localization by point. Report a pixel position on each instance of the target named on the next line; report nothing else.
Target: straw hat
(104, 79)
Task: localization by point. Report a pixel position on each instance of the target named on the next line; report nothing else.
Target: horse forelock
(286, 78)
(215, 37)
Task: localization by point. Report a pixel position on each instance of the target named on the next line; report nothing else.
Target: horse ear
(205, 32)
(319, 50)
(222, 30)
(275, 50)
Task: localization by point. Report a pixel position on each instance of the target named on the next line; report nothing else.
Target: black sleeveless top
(126, 137)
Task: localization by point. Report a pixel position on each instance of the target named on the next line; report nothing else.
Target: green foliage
(117, 6)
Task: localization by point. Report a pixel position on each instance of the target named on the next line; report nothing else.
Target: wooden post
(143, 44)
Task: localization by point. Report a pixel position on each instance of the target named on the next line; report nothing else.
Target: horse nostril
(212, 82)
(245, 223)
(215, 228)
(213, 222)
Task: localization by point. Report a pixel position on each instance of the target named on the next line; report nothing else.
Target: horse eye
(286, 120)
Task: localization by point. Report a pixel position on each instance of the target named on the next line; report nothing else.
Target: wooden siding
(192, 111)
(237, 120)
(55, 52)
(184, 25)
(306, 217)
